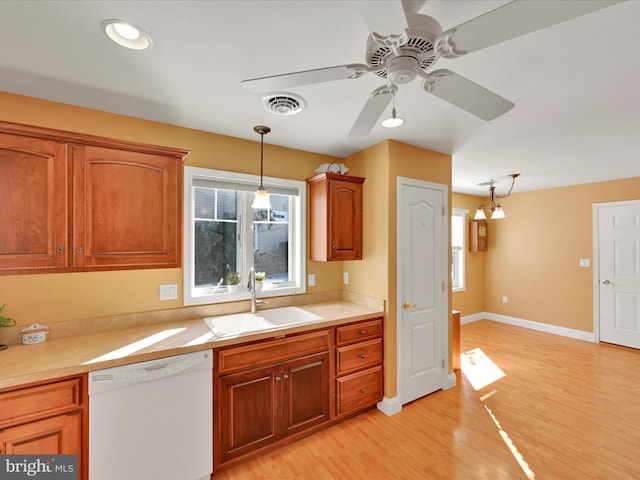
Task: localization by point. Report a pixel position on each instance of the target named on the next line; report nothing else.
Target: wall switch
(312, 280)
(505, 299)
(345, 278)
(169, 291)
(585, 262)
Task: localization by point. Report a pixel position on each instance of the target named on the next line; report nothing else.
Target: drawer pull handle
(362, 356)
(286, 376)
(362, 390)
(278, 379)
(363, 332)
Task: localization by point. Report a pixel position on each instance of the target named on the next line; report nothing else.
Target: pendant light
(261, 199)
(495, 209)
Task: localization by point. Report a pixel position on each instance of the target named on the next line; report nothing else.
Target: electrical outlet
(169, 291)
(312, 280)
(585, 262)
(345, 278)
(505, 299)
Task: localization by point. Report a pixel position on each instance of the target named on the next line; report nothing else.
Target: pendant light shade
(261, 199)
(495, 209)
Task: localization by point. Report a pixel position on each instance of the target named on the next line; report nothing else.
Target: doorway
(617, 272)
(422, 295)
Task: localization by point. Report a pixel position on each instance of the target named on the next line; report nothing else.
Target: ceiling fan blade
(306, 77)
(384, 18)
(373, 109)
(465, 94)
(510, 21)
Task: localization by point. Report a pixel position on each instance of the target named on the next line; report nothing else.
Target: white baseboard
(541, 327)
(451, 381)
(390, 406)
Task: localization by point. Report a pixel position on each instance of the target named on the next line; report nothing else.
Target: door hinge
(443, 286)
(443, 363)
(443, 212)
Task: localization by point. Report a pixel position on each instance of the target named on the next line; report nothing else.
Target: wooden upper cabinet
(125, 208)
(336, 217)
(75, 202)
(33, 203)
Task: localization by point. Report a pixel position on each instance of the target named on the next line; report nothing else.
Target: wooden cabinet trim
(358, 356)
(271, 351)
(359, 390)
(26, 404)
(357, 332)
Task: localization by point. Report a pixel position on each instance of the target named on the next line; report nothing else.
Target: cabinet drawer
(358, 356)
(41, 401)
(273, 351)
(359, 390)
(359, 331)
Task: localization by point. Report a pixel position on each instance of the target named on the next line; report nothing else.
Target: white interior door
(618, 272)
(422, 287)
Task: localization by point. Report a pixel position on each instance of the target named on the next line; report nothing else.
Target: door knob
(408, 305)
(606, 282)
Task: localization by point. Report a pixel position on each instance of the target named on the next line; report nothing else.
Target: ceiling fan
(404, 45)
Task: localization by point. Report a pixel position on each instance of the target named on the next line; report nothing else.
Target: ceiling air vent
(283, 103)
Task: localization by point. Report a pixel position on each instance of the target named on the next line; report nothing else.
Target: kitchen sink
(289, 316)
(241, 323)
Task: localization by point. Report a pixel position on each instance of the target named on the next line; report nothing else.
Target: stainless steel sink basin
(241, 323)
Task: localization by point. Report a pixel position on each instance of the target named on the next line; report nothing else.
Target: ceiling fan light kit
(403, 45)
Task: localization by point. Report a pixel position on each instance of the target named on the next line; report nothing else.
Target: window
(458, 222)
(223, 235)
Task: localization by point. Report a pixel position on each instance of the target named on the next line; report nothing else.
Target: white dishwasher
(152, 420)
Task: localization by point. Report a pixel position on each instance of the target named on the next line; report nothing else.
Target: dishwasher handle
(147, 371)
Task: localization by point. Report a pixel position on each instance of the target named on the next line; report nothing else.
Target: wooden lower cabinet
(268, 392)
(45, 418)
(271, 392)
(261, 406)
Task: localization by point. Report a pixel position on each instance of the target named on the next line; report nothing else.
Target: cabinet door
(345, 222)
(126, 208)
(33, 204)
(305, 393)
(246, 412)
(55, 435)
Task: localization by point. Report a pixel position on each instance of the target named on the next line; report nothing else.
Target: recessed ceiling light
(126, 34)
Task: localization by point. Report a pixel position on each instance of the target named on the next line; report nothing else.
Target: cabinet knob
(363, 332)
(362, 390)
(362, 356)
(278, 379)
(78, 249)
(60, 249)
(286, 376)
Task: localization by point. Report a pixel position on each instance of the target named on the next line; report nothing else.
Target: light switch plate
(585, 262)
(312, 280)
(345, 278)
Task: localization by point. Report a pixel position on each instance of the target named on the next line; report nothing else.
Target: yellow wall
(471, 300)
(59, 297)
(534, 253)
(375, 275)
(76, 296)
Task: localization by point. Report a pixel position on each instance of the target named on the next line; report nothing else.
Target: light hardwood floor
(564, 409)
